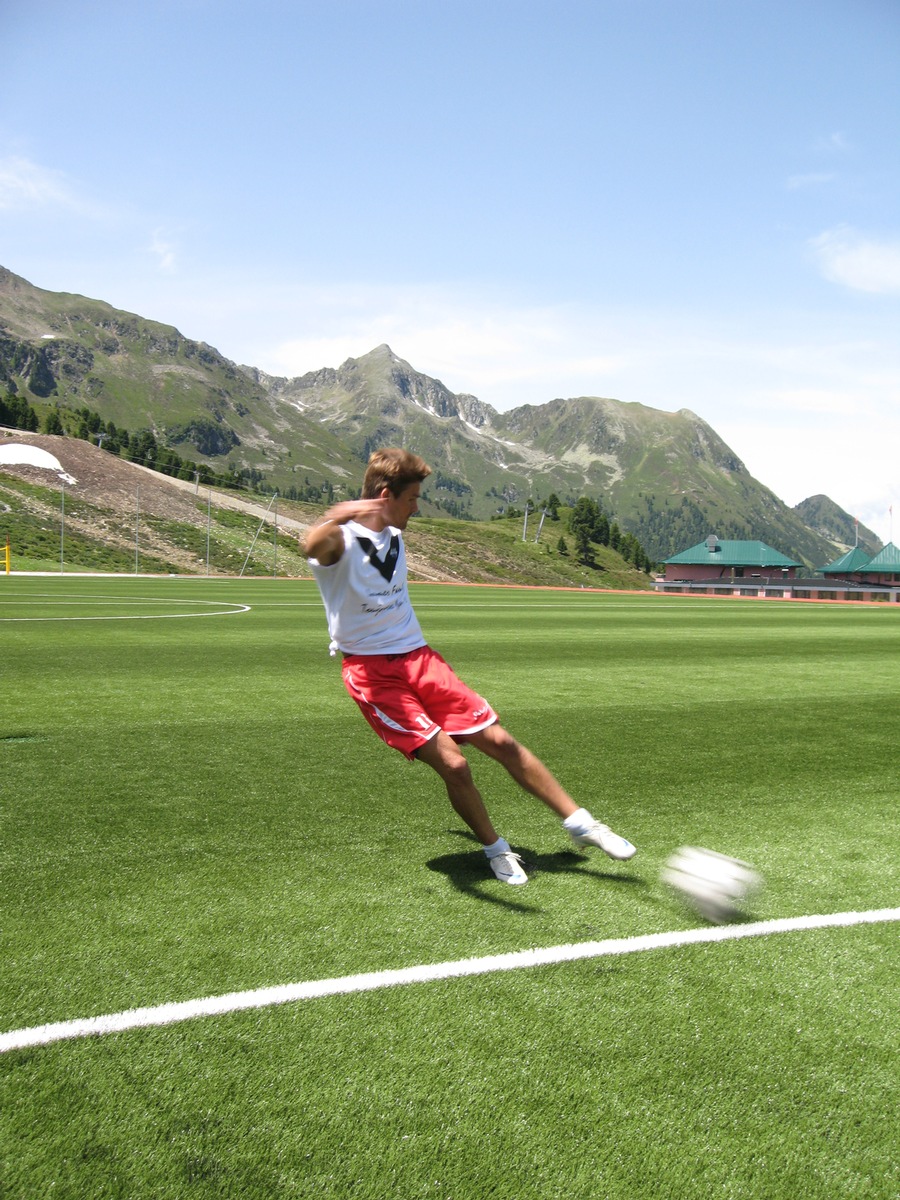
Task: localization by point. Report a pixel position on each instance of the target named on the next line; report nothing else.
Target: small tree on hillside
(584, 548)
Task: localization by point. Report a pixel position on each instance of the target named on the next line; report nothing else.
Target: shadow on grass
(469, 872)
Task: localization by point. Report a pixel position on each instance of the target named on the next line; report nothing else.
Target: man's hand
(324, 540)
(349, 510)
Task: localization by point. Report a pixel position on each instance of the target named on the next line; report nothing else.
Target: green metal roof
(853, 560)
(887, 559)
(732, 554)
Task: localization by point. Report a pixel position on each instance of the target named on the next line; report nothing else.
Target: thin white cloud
(487, 348)
(865, 264)
(835, 142)
(164, 252)
(25, 184)
(797, 183)
(28, 189)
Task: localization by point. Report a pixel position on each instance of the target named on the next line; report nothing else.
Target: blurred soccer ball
(717, 886)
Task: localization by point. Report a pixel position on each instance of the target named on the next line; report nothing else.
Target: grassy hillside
(493, 552)
(63, 351)
(99, 539)
(48, 532)
(666, 478)
(122, 518)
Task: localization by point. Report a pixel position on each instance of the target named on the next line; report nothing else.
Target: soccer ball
(715, 885)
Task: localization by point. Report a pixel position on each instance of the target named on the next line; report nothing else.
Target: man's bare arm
(324, 541)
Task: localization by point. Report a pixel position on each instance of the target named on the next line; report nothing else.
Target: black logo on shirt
(386, 566)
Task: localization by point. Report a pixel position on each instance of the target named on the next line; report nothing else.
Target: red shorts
(408, 698)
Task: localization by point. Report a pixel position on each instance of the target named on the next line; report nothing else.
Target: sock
(579, 822)
(501, 846)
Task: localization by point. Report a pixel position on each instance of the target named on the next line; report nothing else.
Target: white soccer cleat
(604, 839)
(506, 867)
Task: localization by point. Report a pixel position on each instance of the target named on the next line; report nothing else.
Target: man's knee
(445, 757)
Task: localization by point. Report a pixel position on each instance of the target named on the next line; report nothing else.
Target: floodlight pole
(275, 541)
(541, 525)
(208, 522)
(137, 526)
(62, 525)
(528, 509)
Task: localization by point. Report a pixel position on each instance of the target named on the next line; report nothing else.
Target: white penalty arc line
(234, 610)
(169, 1014)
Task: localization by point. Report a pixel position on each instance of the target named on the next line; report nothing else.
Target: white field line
(168, 1014)
(233, 609)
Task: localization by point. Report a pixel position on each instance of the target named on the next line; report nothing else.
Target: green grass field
(192, 807)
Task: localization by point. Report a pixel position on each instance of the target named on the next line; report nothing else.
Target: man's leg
(443, 755)
(531, 774)
(525, 767)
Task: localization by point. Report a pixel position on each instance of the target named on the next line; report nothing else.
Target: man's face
(398, 509)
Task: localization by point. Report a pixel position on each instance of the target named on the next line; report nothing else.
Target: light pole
(541, 525)
(275, 541)
(529, 508)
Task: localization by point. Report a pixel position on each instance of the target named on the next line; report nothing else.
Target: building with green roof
(853, 560)
(753, 569)
(715, 559)
(884, 567)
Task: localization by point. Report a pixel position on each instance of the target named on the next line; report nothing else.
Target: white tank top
(365, 594)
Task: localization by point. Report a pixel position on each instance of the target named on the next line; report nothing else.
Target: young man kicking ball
(405, 690)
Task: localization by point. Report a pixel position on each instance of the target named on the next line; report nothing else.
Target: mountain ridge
(667, 478)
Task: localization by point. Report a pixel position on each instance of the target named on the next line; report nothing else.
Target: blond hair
(393, 469)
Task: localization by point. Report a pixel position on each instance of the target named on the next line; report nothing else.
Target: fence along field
(68, 506)
(96, 512)
(192, 809)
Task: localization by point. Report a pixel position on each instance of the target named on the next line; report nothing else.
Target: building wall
(697, 571)
(804, 589)
(888, 577)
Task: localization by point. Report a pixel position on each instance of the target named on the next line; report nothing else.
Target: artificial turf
(192, 806)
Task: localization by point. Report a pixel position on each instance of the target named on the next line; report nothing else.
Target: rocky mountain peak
(664, 476)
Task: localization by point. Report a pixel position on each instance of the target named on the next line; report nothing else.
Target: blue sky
(684, 203)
